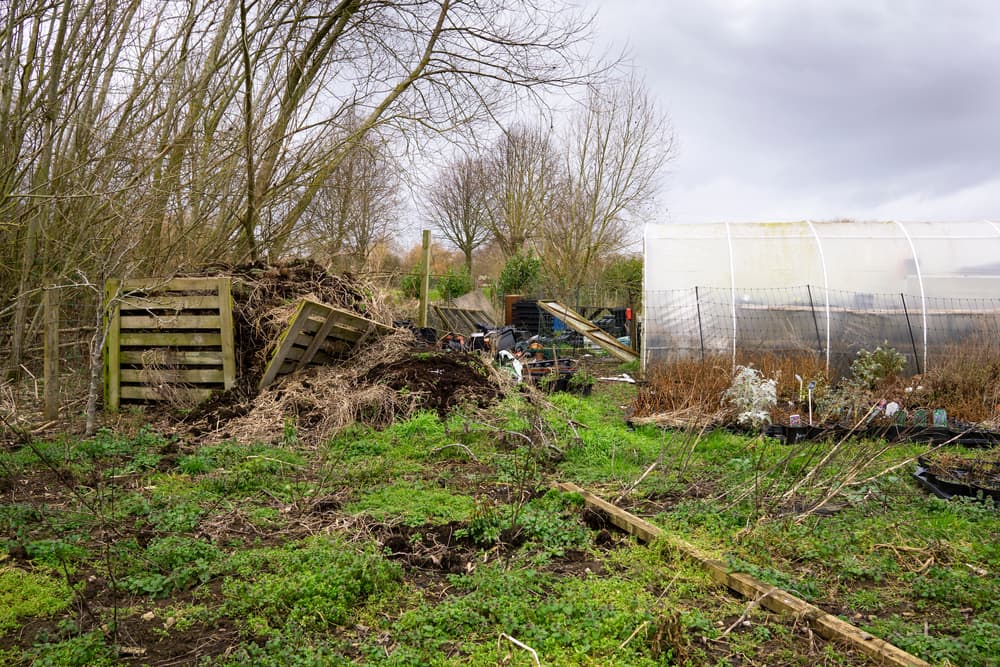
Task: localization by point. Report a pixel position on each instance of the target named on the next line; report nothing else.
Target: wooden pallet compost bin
(317, 334)
(169, 339)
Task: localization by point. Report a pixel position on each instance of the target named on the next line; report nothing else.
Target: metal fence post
(812, 308)
(909, 327)
(701, 334)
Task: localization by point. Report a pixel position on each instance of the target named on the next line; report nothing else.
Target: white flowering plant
(753, 396)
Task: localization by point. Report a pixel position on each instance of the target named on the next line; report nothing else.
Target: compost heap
(389, 378)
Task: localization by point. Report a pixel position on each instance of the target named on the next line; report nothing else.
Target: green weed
(87, 650)
(30, 594)
(308, 586)
(414, 505)
(172, 563)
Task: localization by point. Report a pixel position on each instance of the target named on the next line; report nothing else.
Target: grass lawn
(442, 542)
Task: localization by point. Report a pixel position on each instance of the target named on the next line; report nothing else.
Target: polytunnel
(832, 288)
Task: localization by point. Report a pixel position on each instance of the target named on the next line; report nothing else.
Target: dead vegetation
(965, 382)
(388, 378)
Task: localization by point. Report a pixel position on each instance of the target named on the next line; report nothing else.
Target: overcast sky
(821, 109)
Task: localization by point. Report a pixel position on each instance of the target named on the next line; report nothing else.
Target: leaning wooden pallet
(318, 333)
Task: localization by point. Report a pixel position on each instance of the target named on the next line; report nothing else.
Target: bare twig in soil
(456, 444)
(746, 612)
(515, 642)
(639, 629)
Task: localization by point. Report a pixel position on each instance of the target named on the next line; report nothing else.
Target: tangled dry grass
(965, 381)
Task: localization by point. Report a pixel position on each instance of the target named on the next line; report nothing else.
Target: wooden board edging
(824, 624)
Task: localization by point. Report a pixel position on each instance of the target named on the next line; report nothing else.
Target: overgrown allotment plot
(441, 541)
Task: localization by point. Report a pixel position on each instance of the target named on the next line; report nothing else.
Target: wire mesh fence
(833, 324)
(77, 323)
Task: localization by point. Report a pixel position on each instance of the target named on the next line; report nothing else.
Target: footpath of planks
(826, 625)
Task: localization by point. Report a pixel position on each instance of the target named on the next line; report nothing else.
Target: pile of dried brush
(317, 403)
(264, 299)
(389, 378)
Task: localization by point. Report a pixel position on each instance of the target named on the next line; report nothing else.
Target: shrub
(752, 395)
(454, 283)
(519, 273)
(869, 368)
(410, 285)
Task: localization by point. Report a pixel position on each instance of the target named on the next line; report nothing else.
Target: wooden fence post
(51, 364)
(112, 355)
(425, 278)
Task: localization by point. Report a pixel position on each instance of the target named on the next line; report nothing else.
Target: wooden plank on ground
(826, 625)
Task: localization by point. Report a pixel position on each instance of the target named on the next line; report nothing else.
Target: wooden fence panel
(169, 338)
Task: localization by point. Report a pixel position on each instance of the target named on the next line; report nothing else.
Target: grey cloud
(870, 100)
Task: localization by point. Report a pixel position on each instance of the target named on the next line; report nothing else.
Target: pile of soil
(442, 380)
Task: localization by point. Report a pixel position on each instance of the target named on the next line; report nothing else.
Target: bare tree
(205, 129)
(613, 155)
(521, 175)
(456, 204)
(356, 210)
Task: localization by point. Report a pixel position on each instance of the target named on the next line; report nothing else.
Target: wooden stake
(51, 364)
(425, 278)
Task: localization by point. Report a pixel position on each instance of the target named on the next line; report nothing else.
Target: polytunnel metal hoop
(920, 282)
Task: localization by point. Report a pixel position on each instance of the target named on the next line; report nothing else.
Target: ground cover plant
(438, 538)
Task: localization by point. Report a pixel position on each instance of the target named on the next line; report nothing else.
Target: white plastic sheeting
(829, 287)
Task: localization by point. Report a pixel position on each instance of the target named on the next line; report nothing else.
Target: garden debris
(321, 333)
(947, 474)
(589, 330)
(375, 373)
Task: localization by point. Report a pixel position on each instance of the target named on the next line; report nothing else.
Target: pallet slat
(162, 285)
(170, 303)
(153, 394)
(138, 339)
(170, 357)
(173, 375)
(171, 321)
